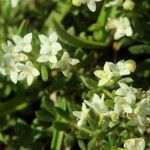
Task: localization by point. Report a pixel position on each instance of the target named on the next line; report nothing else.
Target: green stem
(105, 91)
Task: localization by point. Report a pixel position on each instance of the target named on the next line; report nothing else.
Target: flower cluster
(15, 62)
(113, 71)
(48, 53)
(121, 25)
(129, 105)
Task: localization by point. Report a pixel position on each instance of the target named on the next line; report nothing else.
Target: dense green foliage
(40, 116)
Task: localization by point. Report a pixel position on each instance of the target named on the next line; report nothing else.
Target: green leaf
(57, 140)
(58, 135)
(81, 145)
(76, 41)
(22, 28)
(126, 80)
(69, 139)
(12, 105)
(109, 103)
(48, 105)
(89, 83)
(43, 116)
(44, 72)
(61, 126)
(92, 144)
(61, 10)
(63, 114)
(93, 124)
(140, 49)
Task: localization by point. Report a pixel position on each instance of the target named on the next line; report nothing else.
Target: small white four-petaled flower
(65, 63)
(81, 115)
(97, 104)
(104, 75)
(122, 27)
(28, 71)
(23, 43)
(49, 48)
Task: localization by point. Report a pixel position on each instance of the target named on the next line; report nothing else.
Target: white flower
(147, 99)
(122, 26)
(97, 104)
(114, 3)
(49, 48)
(23, 44)
(14, 71)
(128, 93)
(122, 68)
(135, 144)
(104, 75)
(9, 59)
(65, 63)
(81, 115)
(140, 111)
(90, 3)
(122, 105)
(134, 121)
(28, 71)
(14, 3)
(10, 53)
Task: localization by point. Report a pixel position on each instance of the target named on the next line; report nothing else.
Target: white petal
(107, 66)
(42, 58)
(117, 108)
(118, 34)
(27, 38)
(91, 5)
(127, 108)
(27, 48)
(17, 39)
(29, 64)
(119, 92)
(35, 72)
(102, 82)
(65, 56)
(14, 77)
(30, 79)
(45, 49)
(20, 66)
(43, 38)
(73, 61)
(22, 76)
(53, 59)
(98, 73)
(17, 48)
(53, 37)
(66, 72)
(129, 31)
(77, 114)
(56, 47)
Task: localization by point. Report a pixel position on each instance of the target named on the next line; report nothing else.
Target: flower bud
(131, 65)
(128, 5)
